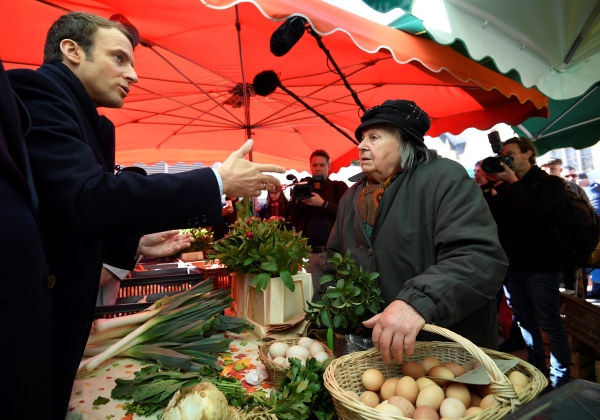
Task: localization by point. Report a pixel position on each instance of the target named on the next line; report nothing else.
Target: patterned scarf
(369, 199)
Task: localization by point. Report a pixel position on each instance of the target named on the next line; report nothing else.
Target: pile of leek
(180, 331)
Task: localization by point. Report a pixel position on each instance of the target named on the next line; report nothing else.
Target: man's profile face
(479, 176)
(552, 169)
(319, 166)
(108, 76)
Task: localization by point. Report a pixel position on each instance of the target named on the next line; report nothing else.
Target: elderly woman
(422, 223)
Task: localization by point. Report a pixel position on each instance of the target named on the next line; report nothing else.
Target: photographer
(532, 205)
(315, 216)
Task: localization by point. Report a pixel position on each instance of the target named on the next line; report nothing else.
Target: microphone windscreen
(265, 82)
(286, 36)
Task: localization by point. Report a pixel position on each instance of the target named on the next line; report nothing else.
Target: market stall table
(86, 403)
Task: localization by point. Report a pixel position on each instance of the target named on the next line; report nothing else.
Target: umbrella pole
(246, 96)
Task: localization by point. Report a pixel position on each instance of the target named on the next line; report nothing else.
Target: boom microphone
(267, 81)
(287, 35)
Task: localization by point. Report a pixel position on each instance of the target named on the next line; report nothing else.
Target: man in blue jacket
(85, 210)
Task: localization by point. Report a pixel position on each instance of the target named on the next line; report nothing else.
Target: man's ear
(528, 154)
(72, 53)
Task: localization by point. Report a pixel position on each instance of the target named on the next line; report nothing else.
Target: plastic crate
(221, 276)
(581, 319)
(119, 310)
(142, 286)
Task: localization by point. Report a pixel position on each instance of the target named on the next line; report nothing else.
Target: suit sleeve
(121, 252)
(470, 264)
(77, 191)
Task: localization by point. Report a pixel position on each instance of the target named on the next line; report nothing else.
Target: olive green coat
(435, 246)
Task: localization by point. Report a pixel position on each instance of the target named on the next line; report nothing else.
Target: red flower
(281, 219)
(249, 235)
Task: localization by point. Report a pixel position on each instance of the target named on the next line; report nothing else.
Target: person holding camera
(315, 216)
(532, 205)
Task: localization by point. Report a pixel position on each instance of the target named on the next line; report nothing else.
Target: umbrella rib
(184, 105)
(540, 134)
(190, 80)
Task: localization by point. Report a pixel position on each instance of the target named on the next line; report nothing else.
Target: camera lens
(492, 165)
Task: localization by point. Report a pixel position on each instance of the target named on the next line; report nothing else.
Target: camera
(304, 188)
(493, 164)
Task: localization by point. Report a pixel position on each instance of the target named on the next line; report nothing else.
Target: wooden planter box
(274, 305)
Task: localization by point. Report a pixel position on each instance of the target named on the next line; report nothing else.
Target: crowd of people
(442, 246)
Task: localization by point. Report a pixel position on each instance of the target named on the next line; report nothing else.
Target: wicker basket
(344, 374)
(275, 371)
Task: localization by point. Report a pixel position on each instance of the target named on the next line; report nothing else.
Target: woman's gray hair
(411, 153)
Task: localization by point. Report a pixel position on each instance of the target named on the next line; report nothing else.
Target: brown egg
(472, 411)
(369, 398)
(476, 364)
(517, 378)
(425, 413)
(460, 392)
(372, 379)
(413, 369)
(455, 368)
(483, 390)
(487, 401)
(388, 388)
(430, 362)
(452, 408)
(475, 400)
(439, 374)
(403, 404)
(423, 382)
(407, 387)
(431, 396)
(353, 395)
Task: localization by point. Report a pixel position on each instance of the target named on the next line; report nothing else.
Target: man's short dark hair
(79, 27)
(569, 168)
(524, 145)
(322, 153)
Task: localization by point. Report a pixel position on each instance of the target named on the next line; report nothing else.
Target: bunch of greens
(179, 331)
(203, 239)
(303, 393)
(154, 386)
(353, 297)
(265, 248)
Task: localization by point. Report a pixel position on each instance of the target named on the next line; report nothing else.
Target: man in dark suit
(24, 294)
(84, 207)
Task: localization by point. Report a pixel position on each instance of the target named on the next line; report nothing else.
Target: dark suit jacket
(24, 294)
(82, 203)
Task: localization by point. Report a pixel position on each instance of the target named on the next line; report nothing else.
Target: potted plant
(351, 299)
(203, 239)
(266, 257)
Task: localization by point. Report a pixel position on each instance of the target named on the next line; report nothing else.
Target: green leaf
(261, 281)
(326, 319)
(248, 261)
(326, 279)
(287, 279)
(334, 293)
(337, 321)
(269, 266)
(101, 401)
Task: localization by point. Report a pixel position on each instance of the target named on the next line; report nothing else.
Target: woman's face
(274, 195)
(379, 154)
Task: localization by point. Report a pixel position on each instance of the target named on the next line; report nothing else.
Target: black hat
(582, 175)
(399, 112)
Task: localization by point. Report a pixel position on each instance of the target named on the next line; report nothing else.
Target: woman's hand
(395, 330)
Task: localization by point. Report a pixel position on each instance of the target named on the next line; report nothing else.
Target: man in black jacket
(84, 207)
(315, 216)
(533, 205)
(25, 296)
